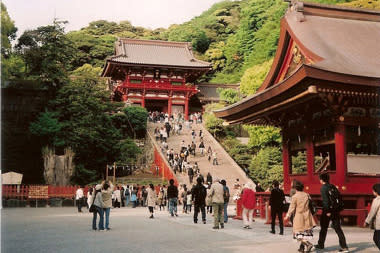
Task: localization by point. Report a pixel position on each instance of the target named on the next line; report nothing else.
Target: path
(227, 168)
(64, 230)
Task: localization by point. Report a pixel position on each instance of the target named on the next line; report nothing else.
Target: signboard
(11, 178)
(38, 192)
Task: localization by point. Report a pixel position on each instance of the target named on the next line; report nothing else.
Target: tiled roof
(155, 52)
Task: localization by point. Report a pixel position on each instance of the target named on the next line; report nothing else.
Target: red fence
(164, 168)
(25, 192)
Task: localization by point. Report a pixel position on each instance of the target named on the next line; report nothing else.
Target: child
(188, 204)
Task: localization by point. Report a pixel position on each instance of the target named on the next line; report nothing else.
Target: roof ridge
(154, 42)
(334, 11)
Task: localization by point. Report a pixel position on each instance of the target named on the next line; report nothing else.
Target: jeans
(376, 238)
(277, 212)
(173, 206)
(196, 211)
(225, 212)
(127, 200)
(101, 218)
(107, 212)
(325, 220)
(218, 212)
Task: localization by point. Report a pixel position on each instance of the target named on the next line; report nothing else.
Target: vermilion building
(323, 92)
(158, 75)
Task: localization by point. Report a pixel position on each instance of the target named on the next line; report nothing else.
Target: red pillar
(170, 106)
(309, 158)
(340, 154)
(286, 163)
(187, 108)
(125, 97)
(143, 102)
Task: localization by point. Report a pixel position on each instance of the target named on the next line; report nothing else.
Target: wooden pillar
(309, 158)
(143, 101)
(286, 162)
(187, 108)
(340, 154)
(170, 106)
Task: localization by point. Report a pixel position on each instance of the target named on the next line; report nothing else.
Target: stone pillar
(340, 154)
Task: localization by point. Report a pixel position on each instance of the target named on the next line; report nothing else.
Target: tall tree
(47, 53)
(8, 31)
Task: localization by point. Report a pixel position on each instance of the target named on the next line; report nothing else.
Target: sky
(30, 14)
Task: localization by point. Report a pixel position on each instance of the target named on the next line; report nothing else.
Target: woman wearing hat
(98, 203)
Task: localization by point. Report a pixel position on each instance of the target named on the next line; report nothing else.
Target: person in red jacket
(248, 200)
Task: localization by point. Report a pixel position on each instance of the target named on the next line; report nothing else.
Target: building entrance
(156, 105)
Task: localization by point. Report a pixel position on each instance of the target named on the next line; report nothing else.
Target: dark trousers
(277, 212)
(79, 204)
(150, 209)
(196, 211)
(376, 238)
(335, 219)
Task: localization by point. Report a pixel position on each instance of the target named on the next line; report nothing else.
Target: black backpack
(335, 199)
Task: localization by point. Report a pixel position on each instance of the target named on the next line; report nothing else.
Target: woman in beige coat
(303, 222)
(151, 199)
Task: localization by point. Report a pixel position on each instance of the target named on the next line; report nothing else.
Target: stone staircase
(226, 169)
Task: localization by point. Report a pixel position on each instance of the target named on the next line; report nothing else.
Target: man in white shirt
(79, 198)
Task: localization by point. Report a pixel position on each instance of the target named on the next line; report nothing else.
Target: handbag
(312, 206)
(92, 207)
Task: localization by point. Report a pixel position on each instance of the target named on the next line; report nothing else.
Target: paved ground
(64, 230)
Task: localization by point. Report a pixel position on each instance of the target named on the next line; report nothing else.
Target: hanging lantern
(299, 139)
(359, 131)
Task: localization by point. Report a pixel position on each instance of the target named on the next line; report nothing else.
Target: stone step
(226, 169)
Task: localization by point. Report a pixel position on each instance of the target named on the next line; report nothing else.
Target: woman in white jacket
(373, 217)
(151, 199)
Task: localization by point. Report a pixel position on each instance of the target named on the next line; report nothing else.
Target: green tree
(229, 95)
(47, 53)
(128, 151)
(263, 136)
(254, 77)
(47, 127)
(137, 120)
(8, 31)
(266, 166)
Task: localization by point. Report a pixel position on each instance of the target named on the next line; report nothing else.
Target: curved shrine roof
(337, 44)
(155, 52)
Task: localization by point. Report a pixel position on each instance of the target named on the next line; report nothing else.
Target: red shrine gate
(323, 92)
(157, 75)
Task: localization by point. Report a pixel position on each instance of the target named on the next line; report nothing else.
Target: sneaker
(345, 250)
(318, 246)
(221, 225)
(215, 227)
(245, 226)
(108, 229)
(281, 233)
(195, 222)
(272, 232)
(204, 222)
(248, 227)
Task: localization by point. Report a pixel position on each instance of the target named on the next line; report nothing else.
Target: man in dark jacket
(276, 202)
(329, 214)
(199, 198)
(173, 198)
(190, 173)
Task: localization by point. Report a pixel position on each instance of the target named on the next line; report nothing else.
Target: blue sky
(29, 14)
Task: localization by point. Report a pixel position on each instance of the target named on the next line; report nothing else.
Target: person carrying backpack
(226, 197)
(332, 205)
